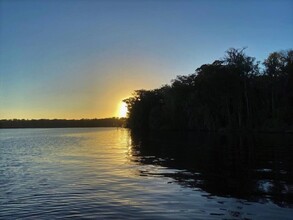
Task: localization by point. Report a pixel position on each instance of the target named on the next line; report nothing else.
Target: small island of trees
(233, 93)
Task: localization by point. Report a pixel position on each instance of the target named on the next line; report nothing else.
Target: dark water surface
(109, 173)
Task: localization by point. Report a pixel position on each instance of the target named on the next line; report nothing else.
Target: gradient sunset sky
(80, 58)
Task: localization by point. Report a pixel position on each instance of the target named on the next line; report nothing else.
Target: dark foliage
(62, 123)
(233, 93)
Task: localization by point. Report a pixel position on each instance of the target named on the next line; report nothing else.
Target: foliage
(62, 123)
(231, 93)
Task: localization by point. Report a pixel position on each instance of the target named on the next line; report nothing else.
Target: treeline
(62, 123)
(233, 93)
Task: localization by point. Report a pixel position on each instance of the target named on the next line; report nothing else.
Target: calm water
(111, 173)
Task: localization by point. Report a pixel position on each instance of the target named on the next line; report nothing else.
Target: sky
(75, 59)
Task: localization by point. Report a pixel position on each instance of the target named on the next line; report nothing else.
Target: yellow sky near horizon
(87, 95)
(80, 59)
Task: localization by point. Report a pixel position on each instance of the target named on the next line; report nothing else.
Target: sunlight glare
(122, 110)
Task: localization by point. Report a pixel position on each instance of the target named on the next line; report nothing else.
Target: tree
(230, 93)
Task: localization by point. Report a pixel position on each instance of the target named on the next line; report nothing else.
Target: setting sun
(122, 110)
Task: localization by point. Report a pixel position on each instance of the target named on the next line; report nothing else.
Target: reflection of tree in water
(257, 168)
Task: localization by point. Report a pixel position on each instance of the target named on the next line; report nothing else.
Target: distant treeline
(62, 123)
(233, 93)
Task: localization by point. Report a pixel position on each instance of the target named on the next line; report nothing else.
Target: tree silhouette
(232, 93)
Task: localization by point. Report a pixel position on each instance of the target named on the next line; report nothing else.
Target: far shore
(62, 123)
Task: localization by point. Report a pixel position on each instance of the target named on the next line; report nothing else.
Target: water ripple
(97, 173)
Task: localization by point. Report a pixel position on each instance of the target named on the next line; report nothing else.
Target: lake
(113, 173)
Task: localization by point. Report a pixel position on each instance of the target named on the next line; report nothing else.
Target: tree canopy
(235, 92)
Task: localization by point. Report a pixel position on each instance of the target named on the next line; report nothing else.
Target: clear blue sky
(80, 58)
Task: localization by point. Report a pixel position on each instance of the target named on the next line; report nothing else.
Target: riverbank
(62, 123)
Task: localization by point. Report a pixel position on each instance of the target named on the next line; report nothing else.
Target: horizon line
(11, 119)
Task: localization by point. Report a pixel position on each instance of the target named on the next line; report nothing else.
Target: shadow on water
(253, 167)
